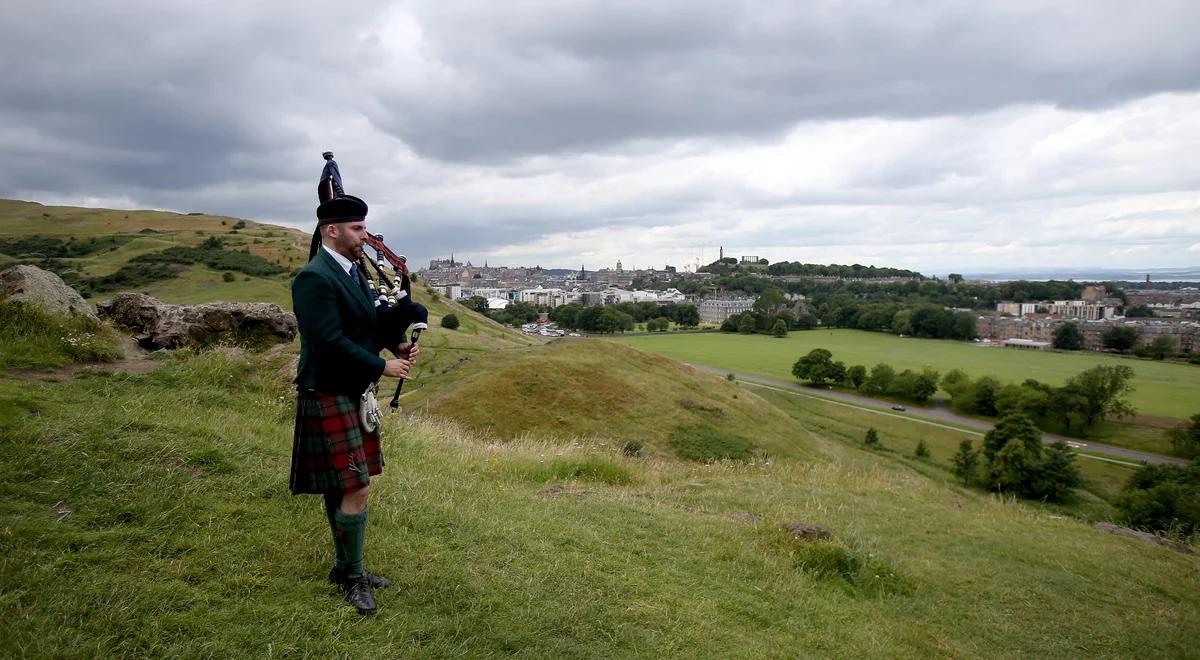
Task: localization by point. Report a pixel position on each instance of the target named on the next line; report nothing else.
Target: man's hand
(396, 368)
(409, 351)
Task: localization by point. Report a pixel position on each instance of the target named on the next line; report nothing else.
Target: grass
(32, 338)
(597, 389)
(1161, 389)
(195, 284)
(133, 532)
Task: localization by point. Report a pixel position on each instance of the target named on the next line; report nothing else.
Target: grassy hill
(128, 235)
(599, 390)
(148, 515)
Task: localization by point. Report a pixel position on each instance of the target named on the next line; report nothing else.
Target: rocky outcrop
(156, 324)
(807, 531)
(1145, 537)
(31, 284)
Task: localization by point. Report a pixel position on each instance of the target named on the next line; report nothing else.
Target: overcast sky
(938, 136)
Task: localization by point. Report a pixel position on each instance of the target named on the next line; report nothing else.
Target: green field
(1161, 389)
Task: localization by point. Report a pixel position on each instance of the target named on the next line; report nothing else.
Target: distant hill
(104, 251)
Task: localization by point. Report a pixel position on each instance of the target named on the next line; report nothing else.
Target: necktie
(354, 275)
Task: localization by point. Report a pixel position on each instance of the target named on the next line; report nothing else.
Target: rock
(156, 324)
(807, 531)
(1145, 537)
(32, 284)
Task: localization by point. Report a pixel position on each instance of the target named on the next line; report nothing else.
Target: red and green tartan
(330, 450)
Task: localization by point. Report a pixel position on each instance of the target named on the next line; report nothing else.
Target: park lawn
(1161, 389)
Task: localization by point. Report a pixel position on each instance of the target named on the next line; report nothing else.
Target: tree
(566, 316)
(902, 322)
(1104, 388)
(1056, 475)
(685, 315)
(856, 376)
(613, 319)
(964, 326)
(476, 304)
(955, 278)
(1163, 347)
(872, 438)
(880, 380)
(1186, 441)
(1019, 463)
(1163, 498)
(954, 380)
(1120, 338)
(806, 321)
(921, 451)
(965, 461)
(770, 301)
(1139, 311)
(1012, 428)
(1068, 337)
(746, 324)
(924, 385)
(817, 367)
(450, 322)
(780, 329)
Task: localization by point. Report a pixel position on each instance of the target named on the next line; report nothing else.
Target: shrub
(228, 276)
(872, 437)
(705, 444)
(1163, 498)
(450, 322)
(921, 451)
(632, 448)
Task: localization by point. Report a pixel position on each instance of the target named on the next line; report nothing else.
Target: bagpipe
(395, 310)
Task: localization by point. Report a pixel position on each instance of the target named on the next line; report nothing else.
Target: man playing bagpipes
(336, 448)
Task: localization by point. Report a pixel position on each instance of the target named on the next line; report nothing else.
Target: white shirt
(342, 261)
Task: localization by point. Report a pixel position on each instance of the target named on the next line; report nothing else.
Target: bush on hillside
(130, 276)
(1018, 462)
(32, 338)
(1163, 498)
(450, 322)
(705, 444)
(212, 253)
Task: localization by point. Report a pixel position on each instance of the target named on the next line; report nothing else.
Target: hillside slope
(148, 515)
(130, 234)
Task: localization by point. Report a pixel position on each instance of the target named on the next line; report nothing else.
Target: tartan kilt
(330, 449)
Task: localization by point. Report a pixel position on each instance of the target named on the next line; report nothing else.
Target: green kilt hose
(330, 449)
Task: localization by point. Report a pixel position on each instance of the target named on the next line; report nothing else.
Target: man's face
(347, 238)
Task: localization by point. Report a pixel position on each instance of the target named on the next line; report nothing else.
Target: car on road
(899, 407)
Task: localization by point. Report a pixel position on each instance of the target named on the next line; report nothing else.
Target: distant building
(716, 311)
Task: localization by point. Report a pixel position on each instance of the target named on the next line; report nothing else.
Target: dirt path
(135, 360)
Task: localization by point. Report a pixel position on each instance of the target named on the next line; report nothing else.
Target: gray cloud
(544, 130)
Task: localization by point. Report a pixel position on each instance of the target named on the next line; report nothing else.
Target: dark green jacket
(339, 353)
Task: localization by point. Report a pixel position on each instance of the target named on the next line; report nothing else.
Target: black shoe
(377, 581)
(361, 596)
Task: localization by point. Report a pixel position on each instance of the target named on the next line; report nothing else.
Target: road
(926, 415)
